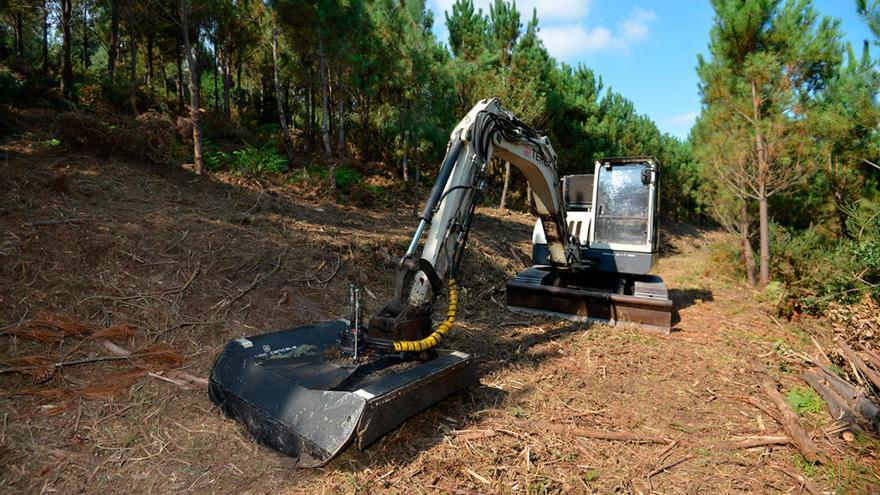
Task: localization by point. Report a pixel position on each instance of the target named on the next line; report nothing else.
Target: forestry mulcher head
(300, 393)
(310, 391)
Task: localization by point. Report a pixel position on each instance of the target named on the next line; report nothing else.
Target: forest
(284, 86)
(324, 123)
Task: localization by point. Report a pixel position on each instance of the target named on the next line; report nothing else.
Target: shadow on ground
(685, 298)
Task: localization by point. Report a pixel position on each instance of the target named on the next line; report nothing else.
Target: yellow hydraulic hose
(438, 334)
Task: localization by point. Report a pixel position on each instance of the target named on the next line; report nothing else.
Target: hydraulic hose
(438, 334)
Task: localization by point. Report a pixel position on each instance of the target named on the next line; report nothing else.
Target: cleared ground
(188, 263)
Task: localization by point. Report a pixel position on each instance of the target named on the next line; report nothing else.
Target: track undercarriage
(587, 296)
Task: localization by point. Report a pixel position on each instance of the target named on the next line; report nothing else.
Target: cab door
(624, 193)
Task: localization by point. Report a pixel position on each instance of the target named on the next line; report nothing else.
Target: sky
(644, 49)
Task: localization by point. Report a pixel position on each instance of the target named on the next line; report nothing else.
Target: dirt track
(189, 263)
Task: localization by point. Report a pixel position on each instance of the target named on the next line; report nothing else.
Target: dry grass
(171, 266)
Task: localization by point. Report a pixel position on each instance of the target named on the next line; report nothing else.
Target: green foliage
(251, 159)
(591, 475)
(804, 400)
(772, 292)
(402, 90)
(837, 370)
(346, 178)
(48, 144)
(819, 268)
(805, 466)
(540, 486)
(10, 87)
(467, 27)
(215, 158)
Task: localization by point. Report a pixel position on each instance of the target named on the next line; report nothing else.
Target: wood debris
(854, 406)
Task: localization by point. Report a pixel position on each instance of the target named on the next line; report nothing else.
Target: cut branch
(625, 436)
(789, 419)
(854, 358)
(750, 443)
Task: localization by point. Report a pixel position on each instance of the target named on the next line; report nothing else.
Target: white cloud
(547, 10)
(684, 120)
(566, 40)
(636, 27)
(565, 29)
(570, 39)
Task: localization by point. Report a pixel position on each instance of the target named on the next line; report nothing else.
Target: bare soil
(190, 262)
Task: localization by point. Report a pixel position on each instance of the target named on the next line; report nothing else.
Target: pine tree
(467, 29)
(768, 64)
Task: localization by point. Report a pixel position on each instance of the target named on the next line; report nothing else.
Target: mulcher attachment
(298, 392)
(591, 296)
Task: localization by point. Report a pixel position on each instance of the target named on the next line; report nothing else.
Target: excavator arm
(486, 131)
(311, 391)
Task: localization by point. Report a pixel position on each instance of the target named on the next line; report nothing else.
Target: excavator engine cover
(296, 391)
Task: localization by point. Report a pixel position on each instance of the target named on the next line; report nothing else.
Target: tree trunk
(506, 188)
(311, 103)
(340, 99)
(747, 252)
(406, 118)
(164, 74)
(325, 118)
(66, 67)
(194, 111)
(764, 234)
(239, 101)
(132, 68)
(842, 216)
(405, 166)
(530, 201)
(265, 106)
(149, 71)
(789, 419)
(227, 86)
(114, 46)
(416, 192)
(179, 62)
(288, 105)
(285, 133)
(86, 58)
(45, 68)
(365, 131)
(761, 183)
(216, 67)
(19, 35)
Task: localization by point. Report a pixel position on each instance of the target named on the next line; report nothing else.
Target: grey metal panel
(627, 262)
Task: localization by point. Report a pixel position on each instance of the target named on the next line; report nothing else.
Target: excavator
(312, 391)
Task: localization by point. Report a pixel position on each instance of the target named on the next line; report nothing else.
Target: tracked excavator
(310, 392)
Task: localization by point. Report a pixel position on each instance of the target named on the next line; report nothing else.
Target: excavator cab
(612, 213)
